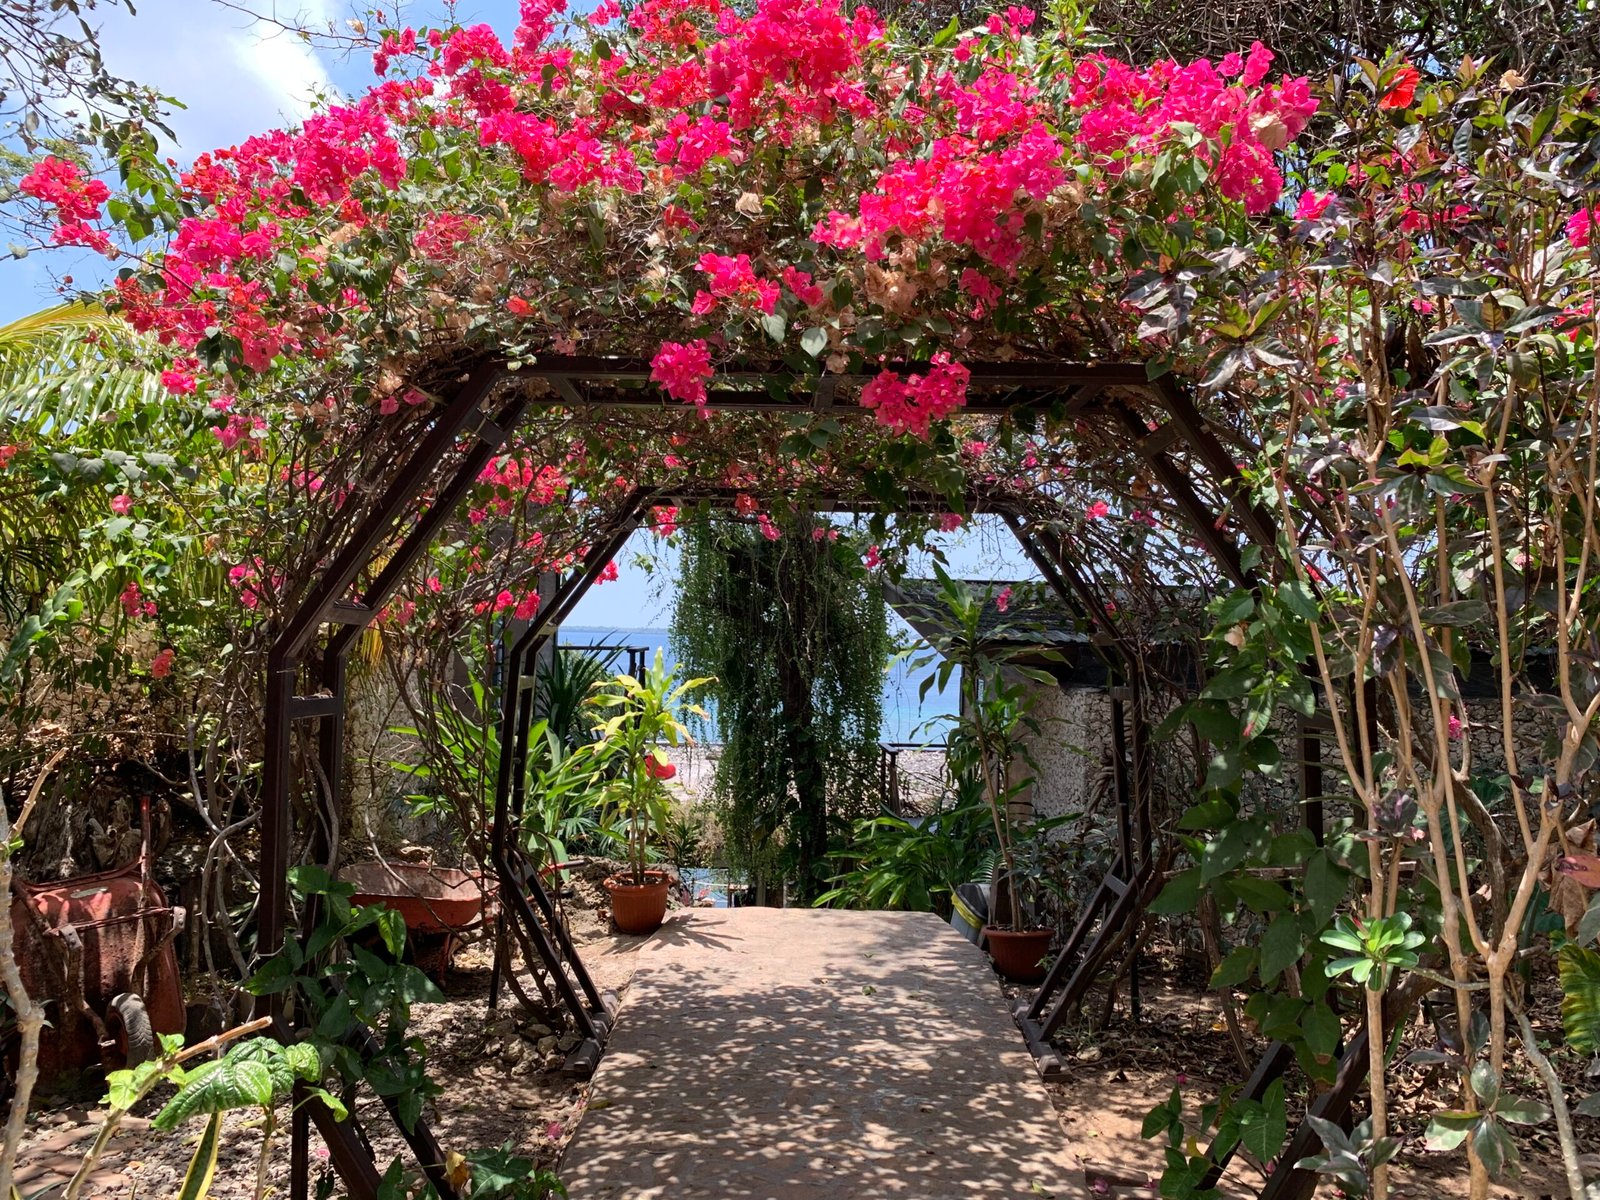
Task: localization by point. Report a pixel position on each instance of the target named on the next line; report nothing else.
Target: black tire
(130, 1024)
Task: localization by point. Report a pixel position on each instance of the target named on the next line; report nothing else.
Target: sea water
(906, 717)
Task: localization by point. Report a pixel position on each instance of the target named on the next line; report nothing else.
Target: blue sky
(641, 596)
(237, 78)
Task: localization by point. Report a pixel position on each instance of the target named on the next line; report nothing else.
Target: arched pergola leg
(523, 895)
(1125, 889)
(328, 603)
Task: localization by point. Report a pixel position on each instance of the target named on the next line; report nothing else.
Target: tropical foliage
(635, 720)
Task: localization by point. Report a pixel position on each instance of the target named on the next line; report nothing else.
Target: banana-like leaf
(203, 1166)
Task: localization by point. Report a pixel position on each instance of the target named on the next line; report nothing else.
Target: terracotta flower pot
(1016, 955)
(638, 908)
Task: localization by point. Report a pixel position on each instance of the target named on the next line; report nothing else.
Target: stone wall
(1073, 753)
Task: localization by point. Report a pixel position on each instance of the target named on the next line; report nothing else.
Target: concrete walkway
(791, 1054)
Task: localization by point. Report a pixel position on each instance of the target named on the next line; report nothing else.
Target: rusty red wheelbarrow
(98, 951)
(438, 904)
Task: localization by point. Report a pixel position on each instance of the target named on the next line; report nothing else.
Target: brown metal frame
(1061, 389)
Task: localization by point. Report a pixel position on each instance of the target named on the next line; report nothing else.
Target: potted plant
(636, 717)
(987, 743)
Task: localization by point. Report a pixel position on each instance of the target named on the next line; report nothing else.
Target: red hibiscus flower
(1402, 89)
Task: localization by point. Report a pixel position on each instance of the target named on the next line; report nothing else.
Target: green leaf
(1235, 969)
(1234, 607)
(1259, 895)
(1164, 1116)
(1325, 887)
(256, 1072)
(333, 1104)
(392, 928)
(1181, 894)
(1447, 1130)
(1281, 946)
(1320, 1024)
(1262, 1130)
(1296, 596)
(1228, 849)
(1208, 814)
(1521, 1112)
(814, 340)
(1495, 1148)
(1485, 1083)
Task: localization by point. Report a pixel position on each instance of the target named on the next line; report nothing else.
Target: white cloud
(236, 77)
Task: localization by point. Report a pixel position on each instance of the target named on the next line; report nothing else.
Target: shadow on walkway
(782, 1053)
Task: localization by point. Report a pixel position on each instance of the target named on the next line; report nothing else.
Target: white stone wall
(1071, 748)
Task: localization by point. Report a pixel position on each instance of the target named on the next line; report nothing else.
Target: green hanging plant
(797, 635)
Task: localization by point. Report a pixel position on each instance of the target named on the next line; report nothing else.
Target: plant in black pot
(994, 661)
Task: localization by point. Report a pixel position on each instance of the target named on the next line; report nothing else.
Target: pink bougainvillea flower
(682, 368)
(132, 600)
(665, 519)
(122, 504)
(517, 306)
(1096, 510)
(799, 282)
(60, 183)
(1312, 205)
(1580, 227)
(768, 530)
(7, 453)
(1454, 728)
(527, 607)
(659, 768)
(873, 559)
(178, 382)
(161, 664)
(1402, 88)
(1256, 65)
(950, 522)
(1003, 600)
(912, 404)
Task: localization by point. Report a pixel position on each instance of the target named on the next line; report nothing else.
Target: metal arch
(1060, 388)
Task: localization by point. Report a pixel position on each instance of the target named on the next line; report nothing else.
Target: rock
(568, 1041)
(547, 1044)
(538, 1031)
(504, 1027)
(514, 1050)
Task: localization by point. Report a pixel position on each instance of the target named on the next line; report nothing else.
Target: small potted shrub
(986, 744)
(636, 716)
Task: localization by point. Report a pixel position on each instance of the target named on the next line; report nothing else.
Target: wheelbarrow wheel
(129, 1026)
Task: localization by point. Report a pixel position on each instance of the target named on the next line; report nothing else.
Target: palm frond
(69, 367)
